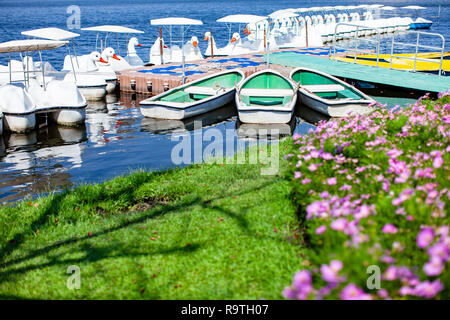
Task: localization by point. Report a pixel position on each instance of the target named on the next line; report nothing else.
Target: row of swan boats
(21, 100)
(266, 96)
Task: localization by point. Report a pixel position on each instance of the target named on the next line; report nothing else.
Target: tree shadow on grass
(97, 254)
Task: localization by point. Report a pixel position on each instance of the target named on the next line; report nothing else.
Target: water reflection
(270, 131)
(37, 161)
(162, 126)
(115, 140)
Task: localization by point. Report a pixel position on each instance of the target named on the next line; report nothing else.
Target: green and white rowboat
(195, 97)
(266, 97)
(329, 95)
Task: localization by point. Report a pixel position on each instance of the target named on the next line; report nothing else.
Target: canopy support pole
(212, 43)
(10, 70)
(75, 54)
(43, 71)
(183, 76)
(27, 71)
(161, 48)
(268, 45)
(71, 62)
(117, 40)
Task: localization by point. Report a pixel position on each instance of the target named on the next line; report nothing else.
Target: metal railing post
(392, 51)
(356, 47)
(417, 51)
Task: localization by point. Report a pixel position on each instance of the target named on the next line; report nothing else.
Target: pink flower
(428, 289)
(330, 272)
(352, 292)
(389, 228)
(301, 286)
(339, 224)
(296, 136)
(321, 229)
(297, 175)
(306, 181)
(439, 250)
(438, 162)
(386, 185)
(433, 267)
(391, 273)
(301, 279)
(383, 293)
(425, 237)
(332, 181)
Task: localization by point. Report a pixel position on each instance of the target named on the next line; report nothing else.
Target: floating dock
(397, 78)
(156, 79)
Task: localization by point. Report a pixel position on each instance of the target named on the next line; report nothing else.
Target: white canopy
(241, 18)
(363, 6)
(340, 7)
(351, 7)
(388, 8)
(414, 7)
(375, 6)
(175, 21)
(281, 14)
(315, 9)
(30, 45)
(51, 34)
(112, 28)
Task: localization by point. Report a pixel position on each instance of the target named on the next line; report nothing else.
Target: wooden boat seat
(266, 92)
(200, 90)
(324, 87)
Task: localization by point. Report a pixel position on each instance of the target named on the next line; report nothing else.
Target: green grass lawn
(204, 232)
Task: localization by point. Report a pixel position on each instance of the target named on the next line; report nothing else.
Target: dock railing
(356, 31)
(354, 34)
(417, 46)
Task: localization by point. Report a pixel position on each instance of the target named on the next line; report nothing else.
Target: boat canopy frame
(108, 29)
(26, 46)
(240, 19)
(184, 24)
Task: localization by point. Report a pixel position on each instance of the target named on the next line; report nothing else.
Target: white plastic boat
(21, 100)
(91, 84)
(266, 97)
(195, 97)
(1, 122)
(118, 63)
(188, 51)
(329, 95)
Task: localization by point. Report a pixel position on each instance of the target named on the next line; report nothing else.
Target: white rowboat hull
(342, 109)
(166, 110)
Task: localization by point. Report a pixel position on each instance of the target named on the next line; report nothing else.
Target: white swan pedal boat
(20, 100)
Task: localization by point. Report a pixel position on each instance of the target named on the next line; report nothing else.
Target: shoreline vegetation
(353, 193)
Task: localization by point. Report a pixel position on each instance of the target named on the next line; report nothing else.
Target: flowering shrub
(373, 195)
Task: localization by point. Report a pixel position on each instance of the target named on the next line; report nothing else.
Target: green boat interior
(203, 89)
(325, 87)
(267, 89)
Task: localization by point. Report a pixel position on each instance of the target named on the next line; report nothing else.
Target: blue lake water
(116, 139)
